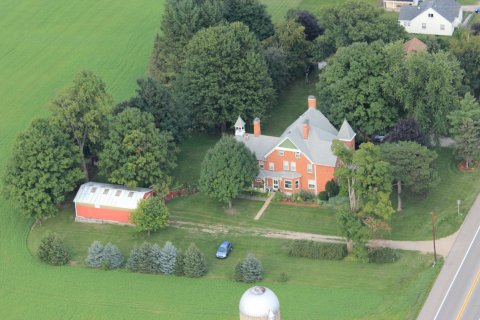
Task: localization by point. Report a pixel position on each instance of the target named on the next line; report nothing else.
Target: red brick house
(301, 158)
(107, 203)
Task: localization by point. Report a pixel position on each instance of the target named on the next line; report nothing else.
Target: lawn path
(264, 207)
(443, 245)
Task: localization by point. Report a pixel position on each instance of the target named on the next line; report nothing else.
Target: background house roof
(109, 195)
(414, 45)
(448, 9)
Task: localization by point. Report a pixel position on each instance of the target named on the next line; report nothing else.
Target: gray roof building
(448, 9)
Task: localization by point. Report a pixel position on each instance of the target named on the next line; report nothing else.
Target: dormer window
(281, 153)
(297, 155)
(261, 164)
(430, 15)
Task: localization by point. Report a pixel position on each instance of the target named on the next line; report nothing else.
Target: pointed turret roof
(346, 132)
(240, 122)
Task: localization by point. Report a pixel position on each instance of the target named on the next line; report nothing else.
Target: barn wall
(90, 212)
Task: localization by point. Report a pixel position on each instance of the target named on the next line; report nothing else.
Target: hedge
(317, 250)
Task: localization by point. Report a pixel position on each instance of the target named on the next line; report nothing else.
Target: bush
(332, 189)
(156, 259)
(168, 258)
(112, 257)
(140, 259)
(283, 277)
(195, 265)
(323, 196)
(382, 255)
(248, 270)
(94, 257)
(306, 196)
(317, 250)
(53, 251)
(179, 264)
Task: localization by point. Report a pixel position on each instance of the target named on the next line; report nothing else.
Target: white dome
(259, 302)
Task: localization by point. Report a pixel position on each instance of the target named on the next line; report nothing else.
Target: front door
(275, 184)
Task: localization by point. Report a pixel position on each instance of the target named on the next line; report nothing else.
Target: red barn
(107, 203)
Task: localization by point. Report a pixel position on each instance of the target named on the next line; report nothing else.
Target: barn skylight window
(106, 191)
(117, 194)
(93, 190)
(130, 194)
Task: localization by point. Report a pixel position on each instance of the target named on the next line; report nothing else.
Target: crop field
(43, 44)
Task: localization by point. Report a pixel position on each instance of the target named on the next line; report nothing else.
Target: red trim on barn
(102, 213)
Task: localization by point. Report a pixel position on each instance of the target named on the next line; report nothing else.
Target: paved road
(456, 293)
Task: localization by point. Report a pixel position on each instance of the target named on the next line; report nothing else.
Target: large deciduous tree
(407, 129)
(356, 86)
(150, 215)
(82, 110)
(253, 14)
(227, 169)
(466, 48)
(465, 128)
(225, 75)
(180, 21)
(43, 169)
(412, 166)
(159, 100)
(136, 153)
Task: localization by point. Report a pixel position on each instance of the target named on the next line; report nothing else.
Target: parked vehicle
(224, 249)
(378, 138)
(477, 10)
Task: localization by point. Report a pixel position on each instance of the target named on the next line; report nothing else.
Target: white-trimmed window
(287, 184)
(297, 184)
(281, 153)
(286, 167)
(430, 15)
(442, 27)
(309, 168)
(293, 166)
(271, 166)
(424, 26)
(261, 164)
(311, 184)
(297, 154)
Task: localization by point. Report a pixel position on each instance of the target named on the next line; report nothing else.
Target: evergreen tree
(82, 110)
(43, 169)
(95, 256)
(135, 153)
(180, 264)
(249, 270)
(253, 14)
(225, 75)
(112, 257)
(140, 259)
(156, 259)
(228, 168)
(168, 258)
(150, 215)
(53, 251)
(195, 265)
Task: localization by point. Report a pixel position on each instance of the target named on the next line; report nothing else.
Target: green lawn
(328, 290)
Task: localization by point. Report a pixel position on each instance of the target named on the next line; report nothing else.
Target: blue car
(477, 10)
(224, 249)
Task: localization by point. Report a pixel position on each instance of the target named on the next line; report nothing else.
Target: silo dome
(259, 303)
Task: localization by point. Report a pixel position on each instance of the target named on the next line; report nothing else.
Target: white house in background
(395, 5)
(437, 17)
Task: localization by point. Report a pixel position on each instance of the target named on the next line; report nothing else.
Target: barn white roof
(110, 195)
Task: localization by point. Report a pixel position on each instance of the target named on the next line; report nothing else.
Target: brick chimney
(312, 102)
(306, 129)
(256, 127)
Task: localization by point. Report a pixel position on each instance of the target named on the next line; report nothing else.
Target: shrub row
(53, 251)
(382, 255)
(102, 256)
(317, 250)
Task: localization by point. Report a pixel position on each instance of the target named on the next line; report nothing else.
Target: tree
(289, 36)
(356, 86)
(465, 129)
(135, 153)
(82, 110)
(249, 270)
(358, 21)
(278, 69)
(352, 228)
(43, 169)
(195, 265)
(112, 257)
(225, 75)
(180, 21)
(53, 251)
(407, 129)
(95, 256)
(158, 100)
(179, 264)
(309, 22)
(412, 166)
(466, 48)
(150, 215)
(140, 259)
(168, 258)
(227, 169)
(345, 172)
(253, 14)
(429, 86)
(156, 254)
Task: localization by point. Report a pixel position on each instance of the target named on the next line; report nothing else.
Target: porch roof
(278, 174)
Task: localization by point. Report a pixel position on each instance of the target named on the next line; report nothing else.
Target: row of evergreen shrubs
(102, 256)
(317, 250)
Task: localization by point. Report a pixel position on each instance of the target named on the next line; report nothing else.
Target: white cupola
(240, 127)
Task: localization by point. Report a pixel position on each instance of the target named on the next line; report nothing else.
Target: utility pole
(433, 235)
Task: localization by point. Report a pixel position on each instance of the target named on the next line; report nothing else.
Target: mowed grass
(315, 289)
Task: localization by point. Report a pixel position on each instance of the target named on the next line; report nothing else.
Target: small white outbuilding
(259, 303)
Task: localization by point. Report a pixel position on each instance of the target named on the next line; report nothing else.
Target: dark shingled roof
(446, 8)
